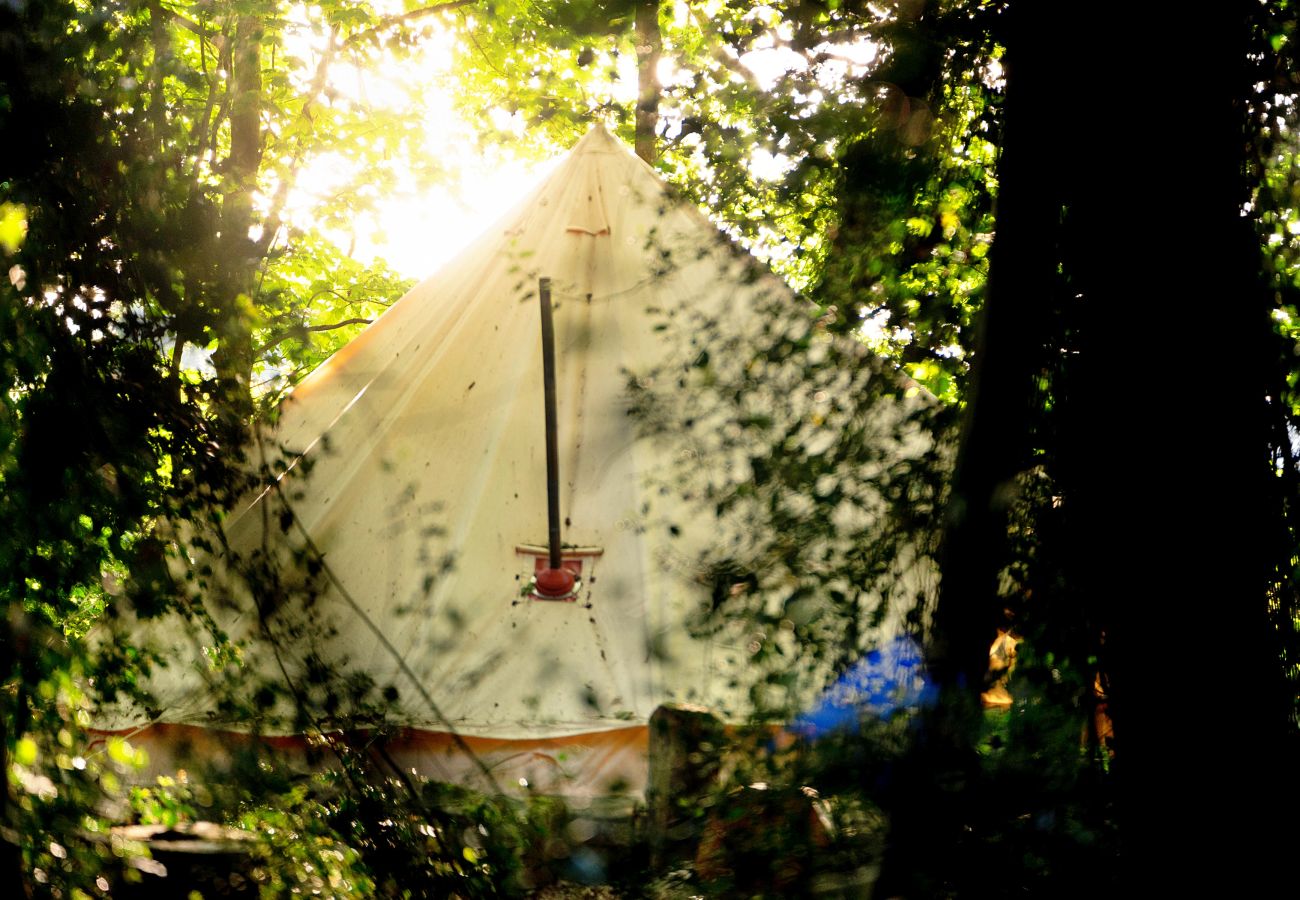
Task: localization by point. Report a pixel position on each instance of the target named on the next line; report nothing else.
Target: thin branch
(272, 226)
(358, 320)
(402, 18)
(188, 24)
(273, 221)
(481, 52)
(225, 63)
(174, 365)
(306, 329)
(199, 134)
(287, 316)
(162, 51)
(734, 64)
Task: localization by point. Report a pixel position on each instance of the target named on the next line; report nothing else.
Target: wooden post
(686, 746)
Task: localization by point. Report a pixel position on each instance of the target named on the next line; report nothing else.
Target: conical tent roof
(434, 423)
(417, 478)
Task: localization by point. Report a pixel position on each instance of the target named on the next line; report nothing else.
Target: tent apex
(599, 139)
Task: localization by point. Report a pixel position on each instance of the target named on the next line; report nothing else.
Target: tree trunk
(1124, 266)
(649, 45)
(239, 257)
(939, 790)
(1172, 498)
(11, 860)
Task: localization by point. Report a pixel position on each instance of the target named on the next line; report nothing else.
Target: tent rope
(459, 741)
(401, 662)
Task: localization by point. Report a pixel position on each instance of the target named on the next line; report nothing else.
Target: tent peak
(599, 139)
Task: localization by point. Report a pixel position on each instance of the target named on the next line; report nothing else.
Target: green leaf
(13, 226)
(25, 752)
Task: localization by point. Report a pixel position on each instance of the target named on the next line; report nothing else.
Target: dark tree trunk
(1125, 273)
(1171, 480)
(939, 791)
(239, 254)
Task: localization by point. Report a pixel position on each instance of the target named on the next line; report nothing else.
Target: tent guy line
(398, 658)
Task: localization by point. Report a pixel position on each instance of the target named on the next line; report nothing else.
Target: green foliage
(852, 145)
(152, 276)
(313, 300)
(825, 473)
(168, 803)
(1273, 208)
(64, 795)
(358, 827)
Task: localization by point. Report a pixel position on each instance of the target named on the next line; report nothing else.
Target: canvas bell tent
(403, 517)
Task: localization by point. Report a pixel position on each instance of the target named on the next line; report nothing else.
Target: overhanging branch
(188, 24)
(403, 18)
(308, 329)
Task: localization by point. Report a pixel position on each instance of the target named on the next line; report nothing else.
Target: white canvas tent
(424, 509)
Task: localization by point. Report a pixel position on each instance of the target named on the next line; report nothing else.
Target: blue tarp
(885, 681)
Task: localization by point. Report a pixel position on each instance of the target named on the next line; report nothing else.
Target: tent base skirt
(581, 768)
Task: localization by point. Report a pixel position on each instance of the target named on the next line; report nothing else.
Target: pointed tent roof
(410, 510)
(417, 473)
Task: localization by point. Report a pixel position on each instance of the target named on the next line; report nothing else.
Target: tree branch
(307, 329)
(734, 65)
(273, 222)
(199, 132)
(188, 24)
(212, 125)
(402, 18)
(481, 52)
